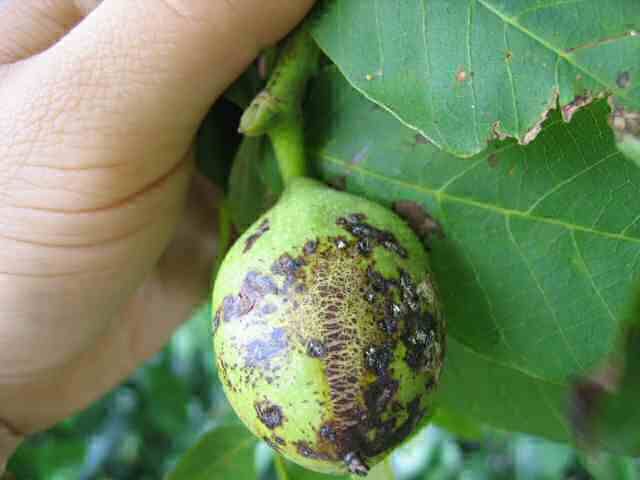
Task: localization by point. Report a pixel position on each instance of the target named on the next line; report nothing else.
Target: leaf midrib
(440, 194)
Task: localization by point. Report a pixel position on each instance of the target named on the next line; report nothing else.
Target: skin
(106, 237)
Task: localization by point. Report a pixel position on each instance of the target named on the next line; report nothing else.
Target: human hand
(99, 257)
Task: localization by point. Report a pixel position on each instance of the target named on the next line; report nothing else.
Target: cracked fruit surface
(329, 337)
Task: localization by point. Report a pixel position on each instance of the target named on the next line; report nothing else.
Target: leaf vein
(543, 293)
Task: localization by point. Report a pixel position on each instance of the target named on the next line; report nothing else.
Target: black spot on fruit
(378, 358)
(355, 464)
(310, 247)
(316, 349)
(270, 415)
(328, 433)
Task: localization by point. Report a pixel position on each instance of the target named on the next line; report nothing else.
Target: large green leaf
(462, 72)
(542, 245)
(223, 453)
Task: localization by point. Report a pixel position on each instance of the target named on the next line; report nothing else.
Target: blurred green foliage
(141, 429)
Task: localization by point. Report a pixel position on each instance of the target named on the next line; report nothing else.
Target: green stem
(288, 144)
(277, 110)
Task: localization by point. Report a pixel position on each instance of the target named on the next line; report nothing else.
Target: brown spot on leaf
(361, 156)
(534, 131)
(493, 160)
(338, 183)
(624, 80)
(569, 110)
(622, 121)
(497, 133)
(423, 224)
(462, 75)
(585, 402)
(421, 139)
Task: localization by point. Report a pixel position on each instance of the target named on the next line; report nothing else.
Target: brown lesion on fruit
(269, 414)
(254, 288)
(380, 394)
(310, 247)
(378, 358)
(359, 375)
(328, 433)
(260, 353)
(224, 374)
(252, 239)
(272, 444)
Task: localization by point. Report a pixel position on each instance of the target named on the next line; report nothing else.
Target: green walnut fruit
(328, 333)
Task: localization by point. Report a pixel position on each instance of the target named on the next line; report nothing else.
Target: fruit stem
(277, 110)
(288, 144)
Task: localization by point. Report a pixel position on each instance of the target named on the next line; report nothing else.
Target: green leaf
(245, 88)
(605, 405)
(506, 398)
(539, 255)
(605, 467)
(255, 182)
(529, 451)
(223, 453)
(464, 72)
(216, 143)
(296, 472)
(457, 423)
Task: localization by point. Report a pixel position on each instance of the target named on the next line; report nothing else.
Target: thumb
(164, 61)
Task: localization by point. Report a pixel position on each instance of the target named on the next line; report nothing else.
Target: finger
(151, 64)
(169, 297)
(28, 27)
(112, 106)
